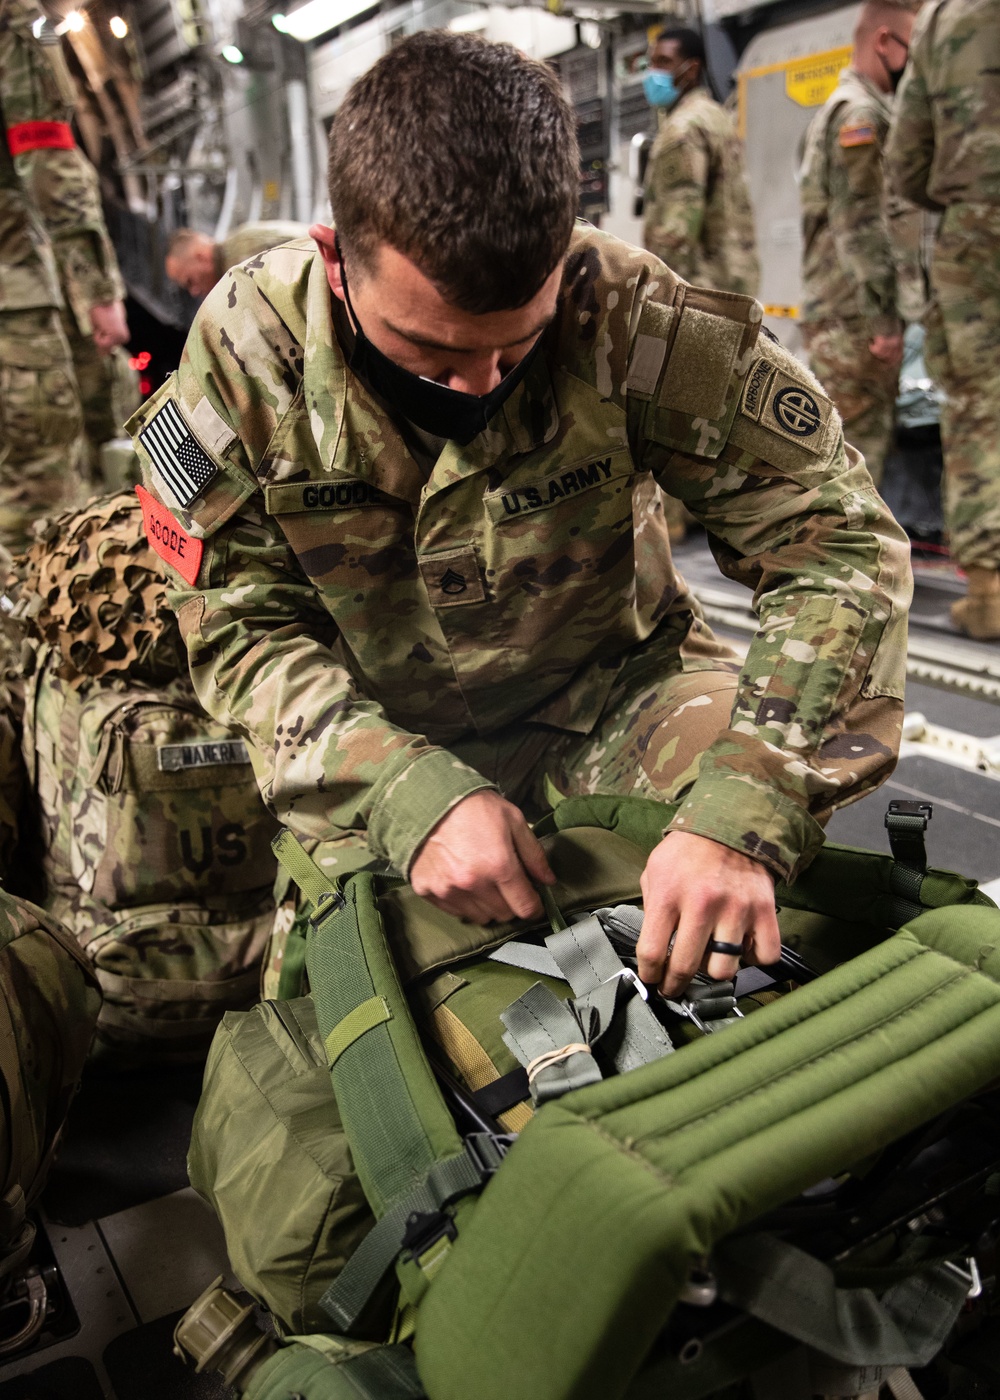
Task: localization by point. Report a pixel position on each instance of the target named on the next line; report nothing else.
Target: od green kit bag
(653, 1167)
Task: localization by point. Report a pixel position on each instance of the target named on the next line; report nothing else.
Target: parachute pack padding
(610, 1193)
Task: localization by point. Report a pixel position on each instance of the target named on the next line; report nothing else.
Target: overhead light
(232, 54)
(72, 24)
(280, 23)
(38, 25)
(470, 23)
(118, 26)
(318, 16)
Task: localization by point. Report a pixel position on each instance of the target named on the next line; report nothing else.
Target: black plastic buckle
(906, 823)
(329, 902)
(900, 807)
(487, 1151)
(424, 1229)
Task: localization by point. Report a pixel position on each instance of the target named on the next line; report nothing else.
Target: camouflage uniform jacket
(698, 215)
(848, 264)
(250, 239)
(28, 277)
(38, 99)
(944, 147)
(355, 616)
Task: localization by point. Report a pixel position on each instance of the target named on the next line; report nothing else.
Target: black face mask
(438, 410)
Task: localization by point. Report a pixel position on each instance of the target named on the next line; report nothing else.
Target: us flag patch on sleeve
(862, 134)
(179, 459)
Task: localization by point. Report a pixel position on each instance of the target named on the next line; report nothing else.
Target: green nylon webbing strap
(346, 1297)
(371, 1013)
(538, 1023)
(302, 868)
(594, 971)
(398, 1125)
(530, 957)
(797, 1294)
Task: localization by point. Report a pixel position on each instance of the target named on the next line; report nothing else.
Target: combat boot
(978, 613)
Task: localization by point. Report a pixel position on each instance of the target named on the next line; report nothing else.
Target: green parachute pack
(155, 841)
(49, 1003)
(476, 1162)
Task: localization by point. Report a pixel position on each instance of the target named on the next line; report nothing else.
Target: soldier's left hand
(695, 890)
(110, 326)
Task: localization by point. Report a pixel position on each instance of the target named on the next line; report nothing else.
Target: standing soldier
(698, 214)
(944, 154)
(41, 440)
(851, 321)
(38, 103)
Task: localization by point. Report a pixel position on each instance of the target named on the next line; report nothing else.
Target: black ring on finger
(729, 950)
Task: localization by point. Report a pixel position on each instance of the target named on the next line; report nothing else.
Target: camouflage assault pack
(155, 842)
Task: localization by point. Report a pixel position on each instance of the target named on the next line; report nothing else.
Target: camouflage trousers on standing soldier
(41, 443)
(962, 351)
(863, 388)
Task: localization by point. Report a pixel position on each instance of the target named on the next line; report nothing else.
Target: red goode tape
(169, 538)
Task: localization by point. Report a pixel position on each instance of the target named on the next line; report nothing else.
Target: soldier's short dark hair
(689, 42)
(461, 155)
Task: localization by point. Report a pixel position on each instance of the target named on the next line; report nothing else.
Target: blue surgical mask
(660, 88)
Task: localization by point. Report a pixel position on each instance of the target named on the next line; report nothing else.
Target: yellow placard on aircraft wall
(810, 81)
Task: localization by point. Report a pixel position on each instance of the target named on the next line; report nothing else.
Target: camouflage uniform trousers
(863, 388)
(109, 395)
(962, 350)
(663, 712)
(40, 423)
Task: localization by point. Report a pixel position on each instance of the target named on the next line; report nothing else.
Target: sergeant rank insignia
(180, 460)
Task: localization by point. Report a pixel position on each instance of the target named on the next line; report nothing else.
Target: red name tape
(39, 136)
(169, 538)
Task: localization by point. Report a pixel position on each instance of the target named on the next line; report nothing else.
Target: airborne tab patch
(178, 458)
(858, 134)
(787, 406)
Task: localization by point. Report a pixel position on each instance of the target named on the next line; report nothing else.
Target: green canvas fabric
(567, 1269)
(337, 1371)
(268, 1152)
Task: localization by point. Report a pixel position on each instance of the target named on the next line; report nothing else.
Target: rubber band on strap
(555, 1057)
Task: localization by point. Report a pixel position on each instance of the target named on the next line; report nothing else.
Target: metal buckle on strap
(970, 1275)
(487, 1151)
(629, 974)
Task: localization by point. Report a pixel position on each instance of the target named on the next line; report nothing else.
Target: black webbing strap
(906, 823)
(504, 1093)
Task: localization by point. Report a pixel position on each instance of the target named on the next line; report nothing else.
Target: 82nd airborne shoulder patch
(787, 406)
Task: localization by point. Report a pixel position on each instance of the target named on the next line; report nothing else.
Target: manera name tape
(203, 753)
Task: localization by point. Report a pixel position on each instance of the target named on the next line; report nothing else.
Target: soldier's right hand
(479, 861)
(110, 326)
(888, 348)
